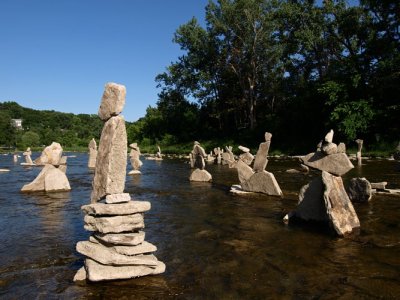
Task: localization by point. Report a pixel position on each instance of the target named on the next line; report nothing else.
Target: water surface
(216, 245)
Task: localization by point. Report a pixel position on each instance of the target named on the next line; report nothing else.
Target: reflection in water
(215, 245)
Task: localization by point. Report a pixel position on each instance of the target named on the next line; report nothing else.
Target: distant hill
(42, 127)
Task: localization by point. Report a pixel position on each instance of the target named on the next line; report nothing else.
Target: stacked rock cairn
(92, 154)
(116, 249)
(325, 199)
(197, 161)
(135, 159)
(257, 179)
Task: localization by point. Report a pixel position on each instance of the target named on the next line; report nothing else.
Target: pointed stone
(244, 171)
(329, 136)
(127, 208)
(114, 224)
(38, 183)
(99, 272)
(80, 275)
(50, 155)
(262, 182)
(113, 101)
(261, 160)
(108, 256)
(111, 160)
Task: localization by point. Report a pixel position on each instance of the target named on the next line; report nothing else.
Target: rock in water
(339, 208)
(56, 181)
(92, 154)
(262, 182)
(337, 164)
(200, 175)
(111, 160)
(50, 155)
(261, 159)
(359, 190)
(38, 183)
(125, 239)
(127, 208)
(115, 224)
(113, 101)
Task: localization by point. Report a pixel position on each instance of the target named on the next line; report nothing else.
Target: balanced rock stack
(325, 199)
(197, 156)
(52, 178)
(28, 160)
(92, 154)
(116, 249)
(257, 179)
(135, 159)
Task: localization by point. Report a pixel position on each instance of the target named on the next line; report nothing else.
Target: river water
(215, 245)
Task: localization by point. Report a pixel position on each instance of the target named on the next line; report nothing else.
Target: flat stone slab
(237, 189)
(379, 185)
(114, 224)
(336, 164)
(108, 255)
(200, 175)
(262, 182)
(4, 170)
(118, 198)
(142, 248)
(127, 208)
(125, 239)
(339, 207)
(134, 172)
(244, 171)
(99, 272)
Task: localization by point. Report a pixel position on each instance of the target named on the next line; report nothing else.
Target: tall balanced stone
(116, 249)
(28, 160)
(135, 159)
(261, 160)
(111, 160)
(50, 155)
(359, 148)
(92, 154)
(197, 155)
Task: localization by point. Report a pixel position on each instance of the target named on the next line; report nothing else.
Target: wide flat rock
(359, 190)
(125, 239)
(99, 272)
(111, 160)
(108, 255)
(339, 207)
(127, 208)
(200, 175)
(336, 164)
(262, 182)
(114, 224)
(142, 248)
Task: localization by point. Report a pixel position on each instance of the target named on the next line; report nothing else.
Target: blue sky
(58, 54)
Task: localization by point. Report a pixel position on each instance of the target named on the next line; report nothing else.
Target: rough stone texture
(359, 190)
(261, 160)
(114, 224)
(63, 160)
(379, 185)
(337, 164)
(113, 101)
(80, 275)
(226, 158)
(244, 171)
(262, 182)
(55, 180)
(304, 168)
(311, 206)
(198, 155)
(50, 155)
(339, 208)
(329, 136)
(118, 198)
(38, 183)
(135, 157)
(247, 158)
(329, 148)
(125, 239)
(27, 154)
(200, 175)
(92, 154)
(99, 272)
(128, 208)
(341, 148)
(108, 256)
(244, 149)
(111, 160)
(142, 248)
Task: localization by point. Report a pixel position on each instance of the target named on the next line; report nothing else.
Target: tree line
(296, 68)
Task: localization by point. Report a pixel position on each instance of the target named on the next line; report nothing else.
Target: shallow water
(215, 245)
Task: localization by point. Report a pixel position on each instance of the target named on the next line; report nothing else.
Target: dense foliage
(43, 127)
(294, 68)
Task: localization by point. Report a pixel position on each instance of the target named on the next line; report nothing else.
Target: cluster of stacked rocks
(116, 249)
(135, 159)
(257, 179)
(92, 154)
(197, 161)
(325, 199)
(53, 177)
(28, 160)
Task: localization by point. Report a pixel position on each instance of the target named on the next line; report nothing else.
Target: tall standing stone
(359, 148)
(261, 160)
(197, 155)
(92, 154)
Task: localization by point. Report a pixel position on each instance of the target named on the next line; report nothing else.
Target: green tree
(30, 139)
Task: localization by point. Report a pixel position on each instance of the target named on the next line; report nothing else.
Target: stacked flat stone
(116, 249)
(325, 198)
(257, 179)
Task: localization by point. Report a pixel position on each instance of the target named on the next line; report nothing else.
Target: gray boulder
(359, 190)
(200, 175)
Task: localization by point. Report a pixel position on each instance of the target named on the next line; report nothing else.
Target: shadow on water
(216, 245)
